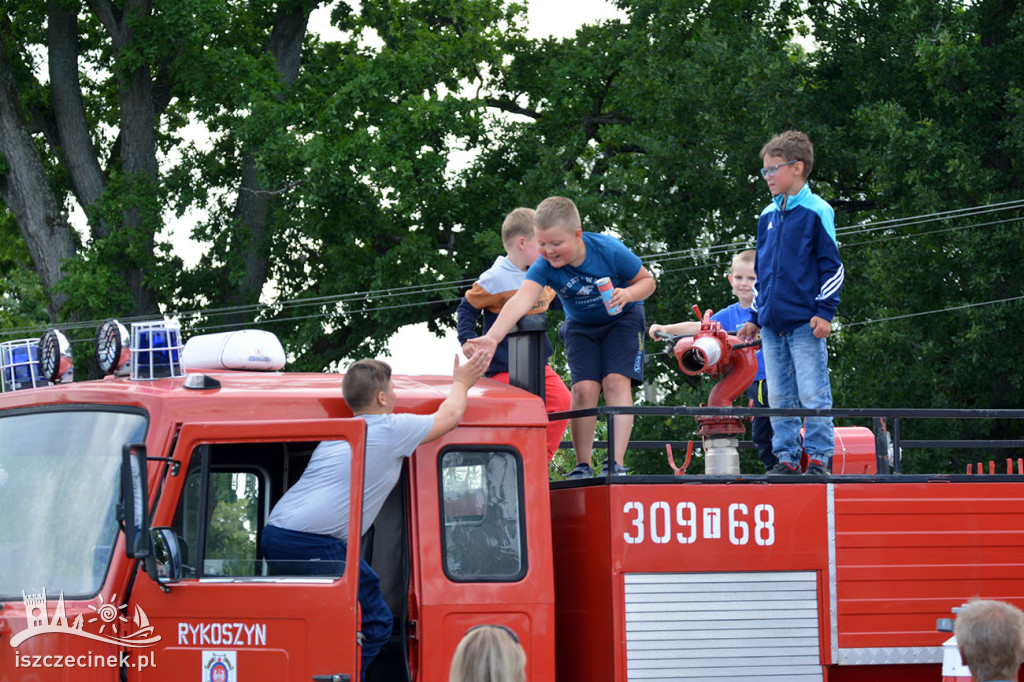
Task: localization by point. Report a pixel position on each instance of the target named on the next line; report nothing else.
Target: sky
(414, 350)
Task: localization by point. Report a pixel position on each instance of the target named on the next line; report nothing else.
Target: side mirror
(135, 501)
(164, 564)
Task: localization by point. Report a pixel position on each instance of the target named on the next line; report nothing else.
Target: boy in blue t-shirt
(605, 352)
(742, 279)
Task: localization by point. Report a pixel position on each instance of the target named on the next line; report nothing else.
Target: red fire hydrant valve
(713, 352)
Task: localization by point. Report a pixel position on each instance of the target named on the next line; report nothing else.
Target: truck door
(232, 617)
(480, 560)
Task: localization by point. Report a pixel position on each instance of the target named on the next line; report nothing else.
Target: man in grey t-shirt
(309, 524)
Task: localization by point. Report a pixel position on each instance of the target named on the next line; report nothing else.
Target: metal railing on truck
(527, 357)
(886, 424)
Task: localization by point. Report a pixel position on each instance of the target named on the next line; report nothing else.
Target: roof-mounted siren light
(113, 348)
(19, 365)
(156, 350)
(246, 349)
(55, 363)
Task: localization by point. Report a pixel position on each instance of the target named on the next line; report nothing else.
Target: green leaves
(343, 187)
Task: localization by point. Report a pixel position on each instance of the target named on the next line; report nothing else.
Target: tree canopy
(342, 187)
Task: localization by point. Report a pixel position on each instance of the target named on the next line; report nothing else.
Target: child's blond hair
(747, 256)
(791, 145)
(558, 211)
(488, 653)
(518, 223)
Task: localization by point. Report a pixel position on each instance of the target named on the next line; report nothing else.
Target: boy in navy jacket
(799, 275)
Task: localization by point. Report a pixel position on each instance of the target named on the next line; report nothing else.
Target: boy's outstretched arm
(640, 287)
(511, 313)
(451, 410)
(687, 328)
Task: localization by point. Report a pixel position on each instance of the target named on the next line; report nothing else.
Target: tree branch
(854, 205)
(253, 204)
(27, 193)
(511, 107)
(74, 140)
(271, 192)
(104, 11)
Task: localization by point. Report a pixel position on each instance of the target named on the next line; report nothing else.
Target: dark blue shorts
(615, 347)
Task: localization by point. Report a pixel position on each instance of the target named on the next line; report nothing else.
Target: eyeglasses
(769, 172)
(510, 631)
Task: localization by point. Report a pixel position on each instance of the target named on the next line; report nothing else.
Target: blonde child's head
(747, 256)
(517, 224)
(559, 232)
(742, 277)
(489, 653)
(519, 239)
(558, 212)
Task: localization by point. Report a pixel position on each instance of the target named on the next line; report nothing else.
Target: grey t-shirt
(318, 502)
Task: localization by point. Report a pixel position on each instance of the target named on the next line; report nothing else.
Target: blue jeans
(796, 365)
(314, 554)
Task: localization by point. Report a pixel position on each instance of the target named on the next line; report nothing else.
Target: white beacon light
(113, 347)
(55, 363)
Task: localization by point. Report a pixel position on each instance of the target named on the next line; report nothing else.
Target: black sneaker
(581, 471)
(617, 471)
(784, 469)
(816, 468)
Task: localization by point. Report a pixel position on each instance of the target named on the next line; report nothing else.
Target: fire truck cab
(464, 538)
(133, 509)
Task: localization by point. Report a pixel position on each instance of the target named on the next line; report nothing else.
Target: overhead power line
(849, 230)
(877, 240)
(845, 325)
(932, 312)
(418, 290)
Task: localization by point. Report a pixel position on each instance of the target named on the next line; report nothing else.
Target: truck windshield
(59, 485)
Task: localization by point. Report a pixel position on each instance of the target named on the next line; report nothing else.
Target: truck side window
(232, 521)
(483, 537)
(231, 533)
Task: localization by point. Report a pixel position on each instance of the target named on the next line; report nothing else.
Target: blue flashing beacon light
(156, 350)
(19, 365)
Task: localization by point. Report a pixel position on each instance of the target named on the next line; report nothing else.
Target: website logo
(111, 623)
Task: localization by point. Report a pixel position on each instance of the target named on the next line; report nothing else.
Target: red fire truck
(132, 509)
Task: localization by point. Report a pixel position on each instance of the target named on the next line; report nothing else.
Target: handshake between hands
(483, 346)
